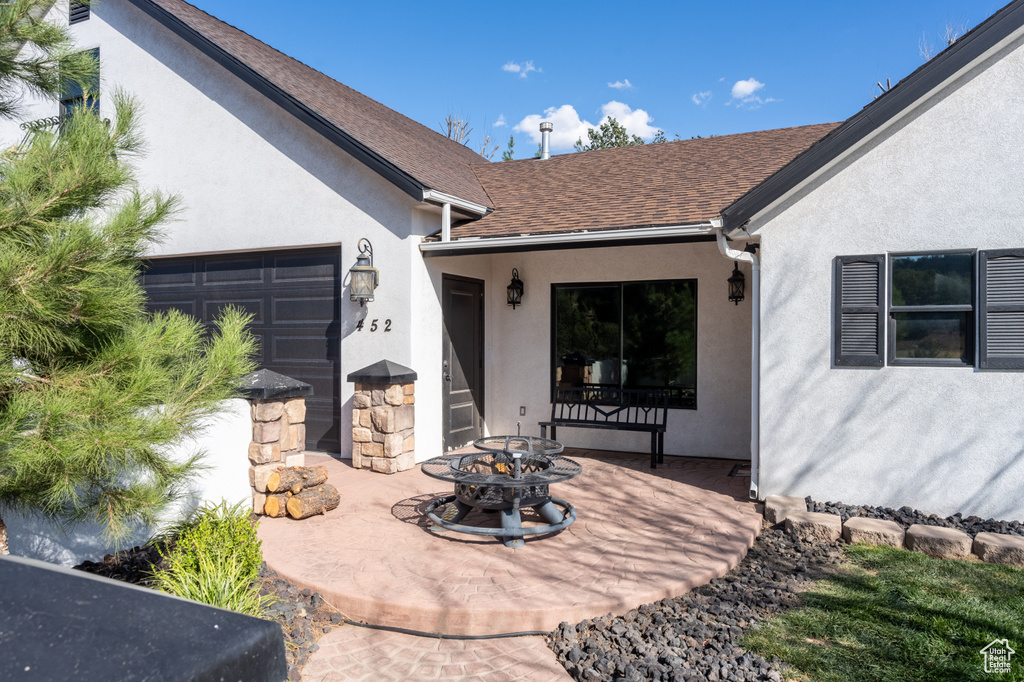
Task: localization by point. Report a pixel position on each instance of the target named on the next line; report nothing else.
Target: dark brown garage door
(294, 299)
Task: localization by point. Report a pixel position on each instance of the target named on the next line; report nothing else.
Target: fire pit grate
(511, 473)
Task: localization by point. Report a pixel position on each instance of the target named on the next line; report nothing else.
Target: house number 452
(373, 325)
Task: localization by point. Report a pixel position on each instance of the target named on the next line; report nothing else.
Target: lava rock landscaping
(696, 636)
(906, 517)
(303, 615)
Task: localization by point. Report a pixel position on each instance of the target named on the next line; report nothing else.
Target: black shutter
(1001, 309)
(78, 11)
(859, 305)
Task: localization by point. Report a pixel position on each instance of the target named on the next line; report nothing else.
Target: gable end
(318, 123)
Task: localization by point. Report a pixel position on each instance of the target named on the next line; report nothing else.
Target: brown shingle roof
(672, 183)
(428, 157)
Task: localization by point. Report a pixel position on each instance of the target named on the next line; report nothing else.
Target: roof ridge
(649, 145)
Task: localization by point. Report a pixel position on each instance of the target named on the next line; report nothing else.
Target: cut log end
(313, 501)
(275, 505)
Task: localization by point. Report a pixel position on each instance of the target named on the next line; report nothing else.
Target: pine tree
(94, 391)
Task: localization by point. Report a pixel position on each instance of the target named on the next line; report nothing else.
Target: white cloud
(744, 89)
(521, 69)
(501, 122)
(743, 94)
(621, 85)
(701, 99)
(569, 127)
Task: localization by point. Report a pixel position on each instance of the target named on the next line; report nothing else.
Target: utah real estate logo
(997, 656)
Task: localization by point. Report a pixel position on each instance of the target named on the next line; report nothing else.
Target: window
(931, 309)
(627, 335)
(938, 306)
(77, 11)
(80, 96)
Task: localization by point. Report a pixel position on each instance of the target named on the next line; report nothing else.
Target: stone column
(278, 408)
(384, 418)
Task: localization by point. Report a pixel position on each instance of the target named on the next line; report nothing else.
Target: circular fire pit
(512, 472)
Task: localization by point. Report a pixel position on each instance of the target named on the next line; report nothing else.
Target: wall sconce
(364, 277)
(736, 283)
(515, 290)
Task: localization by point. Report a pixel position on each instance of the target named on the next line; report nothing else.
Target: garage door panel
(233, 271)
(322, 268)
(212, 307)
(187, 307)
(169, 273)
(294, 297)
(292, 348)
(304, 309)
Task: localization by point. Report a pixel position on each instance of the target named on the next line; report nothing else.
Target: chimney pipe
(545, 139)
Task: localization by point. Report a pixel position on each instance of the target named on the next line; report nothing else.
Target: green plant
(213, 556)
(221, 580)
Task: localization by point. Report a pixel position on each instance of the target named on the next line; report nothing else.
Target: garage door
(294, 299)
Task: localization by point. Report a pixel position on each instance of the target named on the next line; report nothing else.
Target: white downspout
(755, 351)
(446, 222)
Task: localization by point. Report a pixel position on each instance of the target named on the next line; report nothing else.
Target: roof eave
(292, 105)
(991, 34)
(701, 231)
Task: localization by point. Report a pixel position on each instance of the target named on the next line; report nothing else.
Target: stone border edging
(934, 540)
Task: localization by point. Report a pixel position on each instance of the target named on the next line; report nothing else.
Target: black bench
(619, 409)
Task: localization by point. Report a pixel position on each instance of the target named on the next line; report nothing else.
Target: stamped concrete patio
(641, 535)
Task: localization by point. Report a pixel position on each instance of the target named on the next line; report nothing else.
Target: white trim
(891, 122)
(442, 198)
(476, 243)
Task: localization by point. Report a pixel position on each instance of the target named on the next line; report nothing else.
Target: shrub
(214, 557)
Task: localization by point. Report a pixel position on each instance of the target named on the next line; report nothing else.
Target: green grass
(895, 615)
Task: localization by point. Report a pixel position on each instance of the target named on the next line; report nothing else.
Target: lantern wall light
(736, 284)
(364, 277)
(515, 290)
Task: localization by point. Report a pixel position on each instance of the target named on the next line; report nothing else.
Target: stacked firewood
(300, 492)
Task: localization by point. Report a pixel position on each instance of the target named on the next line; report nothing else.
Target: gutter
(755, 353)
(474, 244)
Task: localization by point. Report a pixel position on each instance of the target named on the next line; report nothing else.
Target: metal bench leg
(543, 432)
(654, 450)
(661, 447)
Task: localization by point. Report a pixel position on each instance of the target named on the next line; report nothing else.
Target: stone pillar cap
(265, 384)
(383, 372)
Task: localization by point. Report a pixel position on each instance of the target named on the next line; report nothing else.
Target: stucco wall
(948, 176)
(518, 343)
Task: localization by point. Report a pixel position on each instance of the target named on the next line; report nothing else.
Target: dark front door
(463, 361)
(294, 299)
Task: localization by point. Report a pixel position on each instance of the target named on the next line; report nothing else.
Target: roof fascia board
(569, 240)
(292, 105)
(877, 117)
(442, 198)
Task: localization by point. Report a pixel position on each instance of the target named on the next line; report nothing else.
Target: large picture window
(931, 311)
(627, 335)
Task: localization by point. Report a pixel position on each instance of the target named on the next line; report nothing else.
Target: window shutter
(859, 305)
(1001, 309)
(78, 12)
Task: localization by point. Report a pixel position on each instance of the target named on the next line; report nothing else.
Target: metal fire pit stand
(512, 472)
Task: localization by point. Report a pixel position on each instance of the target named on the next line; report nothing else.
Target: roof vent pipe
(545, 139)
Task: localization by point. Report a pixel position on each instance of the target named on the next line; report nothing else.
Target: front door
(462, 364)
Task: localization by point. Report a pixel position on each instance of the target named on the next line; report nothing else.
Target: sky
(688, 67)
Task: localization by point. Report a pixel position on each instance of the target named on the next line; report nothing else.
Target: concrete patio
(641, 535)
